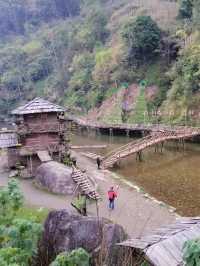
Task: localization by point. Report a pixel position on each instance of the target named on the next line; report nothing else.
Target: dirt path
(133, 211)
(32, 195)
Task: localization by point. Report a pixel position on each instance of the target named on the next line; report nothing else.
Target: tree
(11, 200)
(12, 16)
(18, 237)
(185, 9)
(50, 9)
(196, 13)
(142, 37)
(81, 68)
(191, 252)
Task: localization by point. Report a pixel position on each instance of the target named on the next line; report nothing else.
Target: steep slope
(126, 105)
(74, 53)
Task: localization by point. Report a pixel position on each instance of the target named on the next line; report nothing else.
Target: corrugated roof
(164, 247)
(38, 105)
(8, 139)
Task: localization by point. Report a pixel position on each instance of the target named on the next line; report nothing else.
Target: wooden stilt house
(42, 134)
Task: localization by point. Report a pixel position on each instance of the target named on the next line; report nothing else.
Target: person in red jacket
(111, 197)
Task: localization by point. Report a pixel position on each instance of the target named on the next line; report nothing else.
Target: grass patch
(140, 112)
(32, 47)
(34, 214)
(111, 91)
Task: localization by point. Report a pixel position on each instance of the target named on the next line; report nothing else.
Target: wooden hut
(41, 131)
(164, 247)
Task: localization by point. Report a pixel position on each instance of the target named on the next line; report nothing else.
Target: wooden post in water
(156, 148)
(97, 131)
(177, 146)
(162, 145)
(127, 133)
(139, 156)
(88, 131)
(183, 144)
(111, 132)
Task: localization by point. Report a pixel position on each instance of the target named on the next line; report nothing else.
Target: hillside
(72, 50)
(80, 53)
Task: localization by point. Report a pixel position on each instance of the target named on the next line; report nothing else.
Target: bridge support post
(156, 148)
(183, 144)
(177, 146)
(139, 156)
(162, 145)
(111, 132)
(128, 133)
(143, 133)
(98, 133)
(88, 131)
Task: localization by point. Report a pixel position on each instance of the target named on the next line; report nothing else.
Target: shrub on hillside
(191, 252)
(142, 37)
(185, 9)
(18, 237)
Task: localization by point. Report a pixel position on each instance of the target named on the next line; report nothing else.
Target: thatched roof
(8, 139)
(164, 247)
(38, 105)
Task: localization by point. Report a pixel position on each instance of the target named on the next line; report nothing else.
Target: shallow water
(172, 176)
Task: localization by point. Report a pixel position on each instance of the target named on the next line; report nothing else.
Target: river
(172, 176)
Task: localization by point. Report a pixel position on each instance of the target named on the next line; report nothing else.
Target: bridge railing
(124, 147)
(148, 141)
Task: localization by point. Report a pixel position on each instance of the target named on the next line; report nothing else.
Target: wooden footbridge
(136, 147)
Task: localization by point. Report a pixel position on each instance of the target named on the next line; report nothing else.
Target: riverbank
(136, 213)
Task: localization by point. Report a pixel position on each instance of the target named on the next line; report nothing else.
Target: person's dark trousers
(111, 204)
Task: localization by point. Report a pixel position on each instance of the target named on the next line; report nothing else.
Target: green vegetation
(140, 113)
(191, 252)
(182, 102)
(20, 228)
(72, 51)
(79, 53)
(142, 37)
(185, 10)
(78, 257)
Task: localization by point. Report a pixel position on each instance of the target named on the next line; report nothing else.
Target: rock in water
(65, 231)
(55, 177)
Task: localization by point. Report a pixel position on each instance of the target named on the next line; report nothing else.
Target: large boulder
(65, 231)
(55, 177)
